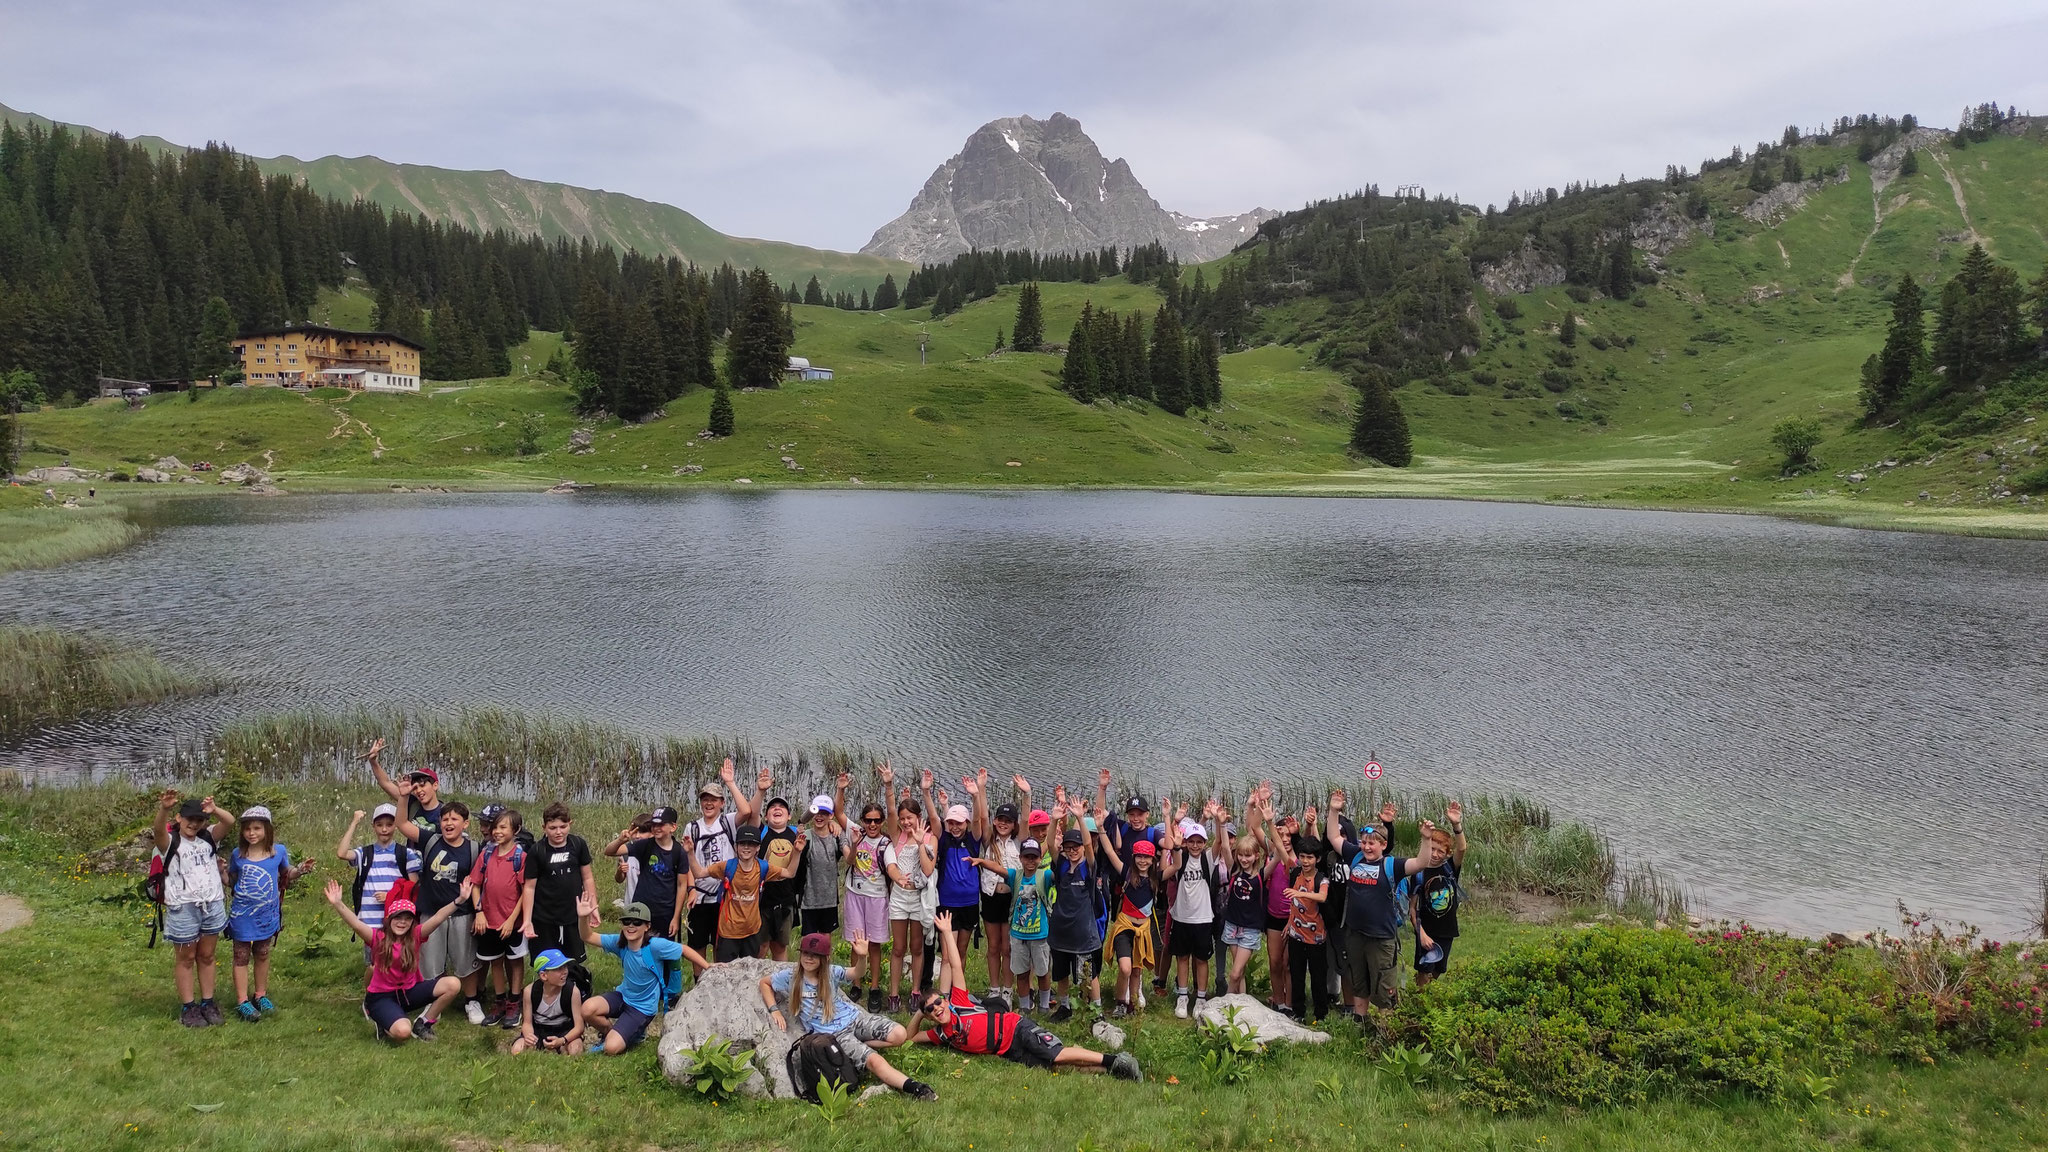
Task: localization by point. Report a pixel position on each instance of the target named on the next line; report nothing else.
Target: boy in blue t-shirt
(1030, 928)
(624, 1013)
(1372, 933)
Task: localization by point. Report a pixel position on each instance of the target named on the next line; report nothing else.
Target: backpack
(154, 883)
(491, 853)
(816, 1061)
(579, 977)
(363, 860)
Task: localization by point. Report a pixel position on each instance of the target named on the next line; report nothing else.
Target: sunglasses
(632, 923)
(871, 820)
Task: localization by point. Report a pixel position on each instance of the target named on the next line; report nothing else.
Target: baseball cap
(748, 835)
(815, 944)
(259, 812)
(635, 911)
(775, 800)
(1137, 804)
(550, 960)
(1006, 812)
(957, 812)
(712, 789)
(1073, 838)
(1190, 828)
(1144, 848)
(1435, 955)
(193, 808)
(1040, 816)
(666, 816)
(384, 810)
(401, 905)
(490, 814)
(429, 773)
(1029, 848)
(821, 803)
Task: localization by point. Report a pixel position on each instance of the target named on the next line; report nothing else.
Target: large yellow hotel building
(311, 356)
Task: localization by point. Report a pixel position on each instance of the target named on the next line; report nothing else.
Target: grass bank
(37, 532)
(48, 676)
(120, 1074)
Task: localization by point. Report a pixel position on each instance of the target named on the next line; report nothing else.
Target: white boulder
(726, 1003)
(1267, 1026)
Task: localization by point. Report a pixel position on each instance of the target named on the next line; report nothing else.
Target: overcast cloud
(815, 121)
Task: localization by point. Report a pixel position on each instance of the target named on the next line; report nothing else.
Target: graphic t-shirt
(818, 878)
(1436, 901)
(739, 916)
(973, 1028)
(869, 875)
(1027, 904)
(959, 881)
(191, 870)
(1193, 903)
(778, 849)
(1369, 896)
(1136, 896)
(257, 909)
(1074, 927)
(443, 867)
(1305, 917)
(427, 820)
(845, 1009)
(498, 879)
(660, 870)
(557, 875)
(383, 874)
(641, 969)
(711, 843)
(1244, 904)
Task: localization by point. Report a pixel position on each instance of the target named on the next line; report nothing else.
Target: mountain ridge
(1045, 186)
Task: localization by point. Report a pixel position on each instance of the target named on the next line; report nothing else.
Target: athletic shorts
(451, 950)
(1191, 940)
(1239, 936)
(736, 948)
(567, 938)
(963, 915)
(867, 918)
(629, 1022)
(388, 1008)
(1276, 923)
(775, 922)
(703, 922)
(824, 920)
(509, 944)
(1436, 969)
(1082, 966)
(186, 923)
(995, 907)
(1033, 1046)
(550, 1031)
(1030, 957)
(867, 1028)
(1125, 944)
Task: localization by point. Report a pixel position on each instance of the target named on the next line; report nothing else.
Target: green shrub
(716, 1071)
(1599, 343)
(1507, 309)
(1579, 293)
(1556, 380)
(1485, 379)
(2032, 480)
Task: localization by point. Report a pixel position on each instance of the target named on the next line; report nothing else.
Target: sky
(816, 121)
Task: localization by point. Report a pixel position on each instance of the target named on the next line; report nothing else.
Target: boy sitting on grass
(961, 1023)
(624, 1013)
(553, 1017)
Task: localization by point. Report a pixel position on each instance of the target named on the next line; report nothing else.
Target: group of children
(1059, 893)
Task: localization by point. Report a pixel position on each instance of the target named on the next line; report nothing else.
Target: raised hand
(1102, 778)
(376, 748)
(970, 785)
(1387, 812)
(844, 781)
(1309, 817)
(943, 921)
(888, 773)
(800, 842)
(1059, 795)
(944, 801)
(1077, 806)
(168, 799)
(1455, 813)
(1180, 813)
(585, 906)
(1021, 784)
(334, 892)
(725, 772)
(924, 779)
(468, 887)
(209, 809)
(981, 776)
(1337, 801)
(764, 779)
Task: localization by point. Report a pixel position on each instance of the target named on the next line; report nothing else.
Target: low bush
(1507, 309)
(1556, 380)
(1579, 292)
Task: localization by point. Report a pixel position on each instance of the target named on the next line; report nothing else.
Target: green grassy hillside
(499, 200)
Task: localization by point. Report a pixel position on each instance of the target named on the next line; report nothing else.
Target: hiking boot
(212, 1013)
(1062, 1014)
(247, 1011)
(875, 1000)
(919, 1090)
(475, 1012)
(1124, 1066)
(1180, 1006)
(264, 1006)
(423, 1029)
(509, 1019)
(191, 1017)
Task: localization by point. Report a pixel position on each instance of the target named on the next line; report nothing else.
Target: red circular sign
(1372, 769)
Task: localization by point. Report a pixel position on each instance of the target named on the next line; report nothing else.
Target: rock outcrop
(1266, 1025)
(1043, 185)
(726, 1003)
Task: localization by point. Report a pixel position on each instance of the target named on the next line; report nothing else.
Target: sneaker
(1062, 1014)
(895, 1005)
(1180, 1006)
(475, 1012)
(1286, 1010)
(493, 1017)
(211, 1013)
(920, 1090)
(247, 1011)
(1120, 1011)
(509, 1018)
(1124, 1066)
(1140, 1005)
(191, 1017)
(875, 1000)
(264, 1006)
(423, 1029)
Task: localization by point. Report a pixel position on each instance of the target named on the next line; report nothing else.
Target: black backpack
(364, 856)
(580, 977)
(817, 1062)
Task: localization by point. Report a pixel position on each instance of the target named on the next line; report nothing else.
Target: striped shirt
(383, 874)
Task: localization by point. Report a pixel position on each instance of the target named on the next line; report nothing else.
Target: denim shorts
(186, 923)
(1239, 936)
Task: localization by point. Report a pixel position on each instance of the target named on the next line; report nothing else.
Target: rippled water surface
(1805, 723)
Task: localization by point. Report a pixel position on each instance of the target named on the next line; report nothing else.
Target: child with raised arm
(1000, 833)
(195, 898)
(1307, 938)
(1195, 876)
(745, 881)
(1436, 896)
(664, 881)
(963, 1024)
(378, 865)
(912, 857)
(958, 846)
(1372, 944)
(1132, 938)
(396, 986)
(808, 995)
(1077, 906)
(550, 1017)
(624, 1013)
(419, 794)
(1244, 895)
(710, 840)
(259, 871)
(1030, 932)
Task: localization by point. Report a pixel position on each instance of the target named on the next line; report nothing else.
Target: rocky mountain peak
(1043, 185)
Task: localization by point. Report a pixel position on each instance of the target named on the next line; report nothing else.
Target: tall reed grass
(43, 537)
(48, 676)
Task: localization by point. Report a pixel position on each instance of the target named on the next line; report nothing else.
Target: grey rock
(726, 1003)
(170, 464)
(1523, 272)
(1856, 477)
(579, 442)
(1111, 1036)
(59, 475)
(244, 474)
(151, 476)
(1266, 1025)
(1045, 186)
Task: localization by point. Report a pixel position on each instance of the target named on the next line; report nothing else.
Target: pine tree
(886, 296)
(1904, 355)
(2037, 294)
(1621, 271)
(814, 293)
(1568, 331)
(213, 353)
(720, 423)
(1079, 376)
(1381, 430)
(1029, 330)
(757, 351)
(1760, 179)
(1910, 165)
(1977, 324)
(1169, 360)
(1136, 368)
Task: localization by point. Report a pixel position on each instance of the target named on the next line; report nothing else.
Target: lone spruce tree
(1381, 430)
(757, 351)
(1904, 355)
(720, 423)
(1568, 332)
(1029, 331)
